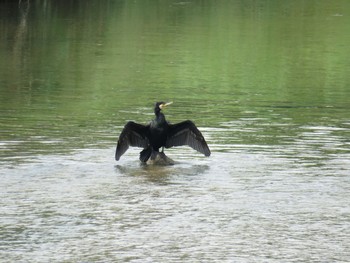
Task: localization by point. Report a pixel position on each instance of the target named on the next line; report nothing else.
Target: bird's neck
(160, 118)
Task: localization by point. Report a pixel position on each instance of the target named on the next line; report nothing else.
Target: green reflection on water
(73, 71)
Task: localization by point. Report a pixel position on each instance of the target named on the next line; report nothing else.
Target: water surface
(265, 81)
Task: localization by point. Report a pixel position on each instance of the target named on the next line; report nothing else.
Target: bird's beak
(168, 103)
(162, 106)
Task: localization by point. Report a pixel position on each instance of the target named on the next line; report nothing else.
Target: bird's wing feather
(186, 133)
(133, 134)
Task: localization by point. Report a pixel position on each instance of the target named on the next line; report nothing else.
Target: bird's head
(161, 105)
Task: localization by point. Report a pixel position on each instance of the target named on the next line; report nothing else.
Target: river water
(267, 83)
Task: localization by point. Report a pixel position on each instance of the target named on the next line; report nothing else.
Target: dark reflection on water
(161, 173)
(266, 83)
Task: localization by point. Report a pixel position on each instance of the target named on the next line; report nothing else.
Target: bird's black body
(159, 134)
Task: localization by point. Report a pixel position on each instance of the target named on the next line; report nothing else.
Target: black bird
(159, 134)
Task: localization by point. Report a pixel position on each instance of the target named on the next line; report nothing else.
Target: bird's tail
(145, 154)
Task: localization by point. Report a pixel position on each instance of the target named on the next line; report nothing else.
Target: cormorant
(159, 134)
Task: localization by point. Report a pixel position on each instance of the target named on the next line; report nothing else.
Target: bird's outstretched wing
(186, 133)
(133, 134)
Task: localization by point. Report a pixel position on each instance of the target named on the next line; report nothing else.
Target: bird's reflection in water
(160, 173)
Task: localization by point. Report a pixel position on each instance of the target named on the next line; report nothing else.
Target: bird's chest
(158, 135)
(158, 132)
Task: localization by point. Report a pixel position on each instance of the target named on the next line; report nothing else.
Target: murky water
(266, 82)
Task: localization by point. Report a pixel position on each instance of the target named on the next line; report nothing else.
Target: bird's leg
(163, 149)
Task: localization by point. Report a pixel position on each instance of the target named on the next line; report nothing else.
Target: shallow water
(267, 84)
(260, 206)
